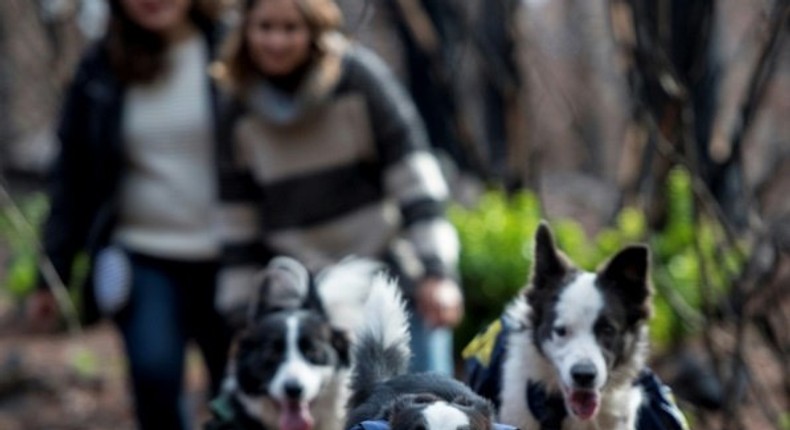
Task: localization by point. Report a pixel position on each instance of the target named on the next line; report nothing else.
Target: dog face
(289, 354)
(427, 411)
(286, 360)
(587, 324)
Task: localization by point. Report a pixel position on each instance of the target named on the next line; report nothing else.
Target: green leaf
(84, 362)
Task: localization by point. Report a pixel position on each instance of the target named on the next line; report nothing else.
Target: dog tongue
(295, 416)
(584, 404)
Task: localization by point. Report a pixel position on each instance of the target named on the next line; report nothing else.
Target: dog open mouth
(582, 403)
(295, 415)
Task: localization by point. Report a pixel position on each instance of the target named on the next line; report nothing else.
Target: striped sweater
(340, 167)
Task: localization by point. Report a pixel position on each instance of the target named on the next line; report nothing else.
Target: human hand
(42, 313)
(440, 302)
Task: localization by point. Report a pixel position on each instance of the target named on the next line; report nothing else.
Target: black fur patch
(625, 277)
(551, 271)
(261, 349)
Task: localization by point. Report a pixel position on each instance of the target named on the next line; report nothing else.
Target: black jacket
(85, 175)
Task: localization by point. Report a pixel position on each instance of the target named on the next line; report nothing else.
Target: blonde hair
(322, 17)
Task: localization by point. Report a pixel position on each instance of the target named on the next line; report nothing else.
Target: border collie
(289, 366)
(576, 342)
(383, 392)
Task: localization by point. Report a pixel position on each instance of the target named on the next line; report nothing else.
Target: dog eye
(274, 348)
(463, 401)
(561, 331)
(307, 347)
(606, 329)
(313, 351)
(423, 399)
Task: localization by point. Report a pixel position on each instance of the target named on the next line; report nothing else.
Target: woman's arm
(412, 176)
(66, 229)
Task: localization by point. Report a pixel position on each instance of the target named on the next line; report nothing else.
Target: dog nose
(583, 374)
(293, 389)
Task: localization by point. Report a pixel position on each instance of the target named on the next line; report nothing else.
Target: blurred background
(619, 121)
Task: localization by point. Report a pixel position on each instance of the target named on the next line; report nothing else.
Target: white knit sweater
(168, 193)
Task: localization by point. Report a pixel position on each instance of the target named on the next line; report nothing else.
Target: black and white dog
(578, 343)
(383, 392)
(289, 366)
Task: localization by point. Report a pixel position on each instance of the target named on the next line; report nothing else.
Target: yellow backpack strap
(482, 346)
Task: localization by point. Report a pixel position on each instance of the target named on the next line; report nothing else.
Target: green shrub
(496, 238)
(495, 254)
(21, 269)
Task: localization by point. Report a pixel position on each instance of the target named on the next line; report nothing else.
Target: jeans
(432, 348)
(170, 303)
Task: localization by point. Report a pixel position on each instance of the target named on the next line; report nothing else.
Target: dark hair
(137, 55)
(322, 17)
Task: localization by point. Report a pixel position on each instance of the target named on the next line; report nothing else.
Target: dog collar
(228, 414)
(548, 409)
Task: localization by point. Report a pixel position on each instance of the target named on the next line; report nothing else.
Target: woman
(135, 187)
(340, 160)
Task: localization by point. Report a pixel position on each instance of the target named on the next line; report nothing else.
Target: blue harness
(485, 355)
(383, 425)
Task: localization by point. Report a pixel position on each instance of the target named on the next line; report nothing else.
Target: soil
(71, 382)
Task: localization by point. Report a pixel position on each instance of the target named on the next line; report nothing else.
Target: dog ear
(283, 284)
(313, 301)
(628, 274)
(342, 344)
(629, 266)
(548, 264)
